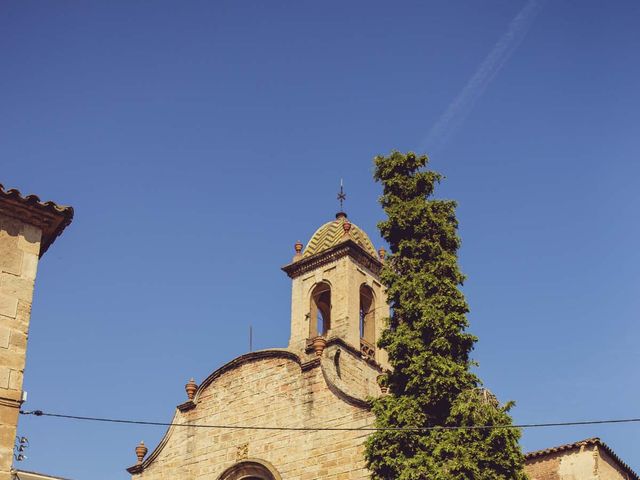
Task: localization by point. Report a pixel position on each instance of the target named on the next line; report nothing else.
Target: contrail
(458, 110)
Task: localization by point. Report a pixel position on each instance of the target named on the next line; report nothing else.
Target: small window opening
(320, 315)
(367, 315)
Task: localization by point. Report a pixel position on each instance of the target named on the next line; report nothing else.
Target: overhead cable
(40, 413)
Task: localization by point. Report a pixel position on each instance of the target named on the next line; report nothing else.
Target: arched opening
(250, 470)
(367, 320)
(320, 313)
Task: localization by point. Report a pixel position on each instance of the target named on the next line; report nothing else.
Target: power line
(40, 413)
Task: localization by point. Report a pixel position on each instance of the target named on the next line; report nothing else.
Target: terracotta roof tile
(48, 216)
(595, 441)
(332, 233)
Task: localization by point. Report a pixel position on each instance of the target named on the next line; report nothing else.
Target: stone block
(5, 334)
(8, 305)
(15, 379)
(18, 287)
(18, 340)
(4, 377)
(8, 416)
(11, 260)
(29, 265)
(11, 359)
(23, 314)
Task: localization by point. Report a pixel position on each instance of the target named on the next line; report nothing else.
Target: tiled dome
(332, 233)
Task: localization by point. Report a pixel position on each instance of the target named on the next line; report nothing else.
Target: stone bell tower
(27, 228)
(336, 291)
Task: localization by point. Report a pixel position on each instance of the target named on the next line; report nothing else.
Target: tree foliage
(431, 383)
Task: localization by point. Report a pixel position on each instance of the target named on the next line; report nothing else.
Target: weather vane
(341, 195)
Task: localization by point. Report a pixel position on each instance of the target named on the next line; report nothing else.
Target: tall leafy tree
(431, 384)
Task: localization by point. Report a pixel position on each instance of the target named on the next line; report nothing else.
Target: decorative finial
(191, 389)
(319, 343)
(382, 253)
(341, 195)
(298, 246)
(141, 451)
(346, 226)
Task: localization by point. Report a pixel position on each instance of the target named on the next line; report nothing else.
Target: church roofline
(191, 404)
(18, 472)
(50, 217)
(347, 247)
(247, 358)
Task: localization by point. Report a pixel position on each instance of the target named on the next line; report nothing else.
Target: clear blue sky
(198, 141)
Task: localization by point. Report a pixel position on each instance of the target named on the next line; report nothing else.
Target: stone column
(27, 228)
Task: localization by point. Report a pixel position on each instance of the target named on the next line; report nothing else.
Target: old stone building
(28, 227)
(322, 379)
(590, 459)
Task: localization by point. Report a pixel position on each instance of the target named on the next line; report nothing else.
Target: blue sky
(198, 141)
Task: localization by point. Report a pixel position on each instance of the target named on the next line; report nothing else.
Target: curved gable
(270, 388)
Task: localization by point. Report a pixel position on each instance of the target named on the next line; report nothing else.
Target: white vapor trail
(458, 110)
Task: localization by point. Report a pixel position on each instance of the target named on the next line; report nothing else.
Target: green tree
(431, 384)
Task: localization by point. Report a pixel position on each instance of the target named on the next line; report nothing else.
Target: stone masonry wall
(19, 249)
(271, 391)
(608, 468)
(585, 463)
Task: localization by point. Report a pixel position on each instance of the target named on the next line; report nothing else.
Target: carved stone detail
(242, 452)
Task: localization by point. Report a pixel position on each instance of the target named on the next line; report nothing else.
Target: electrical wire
(40, 413)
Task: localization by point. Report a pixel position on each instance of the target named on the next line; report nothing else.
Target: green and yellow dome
(332, 233)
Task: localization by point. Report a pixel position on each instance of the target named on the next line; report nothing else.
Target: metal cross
(341, 195)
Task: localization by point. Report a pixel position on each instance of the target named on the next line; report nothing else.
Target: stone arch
(252, 469)
(320, 309)
(367, 319)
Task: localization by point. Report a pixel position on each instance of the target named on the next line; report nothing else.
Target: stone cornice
(313, 363)
(346, 248)
(10, 402)
(135, 469)
(49, 217)
(186, 406)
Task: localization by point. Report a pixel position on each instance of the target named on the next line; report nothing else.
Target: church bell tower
(336, 291)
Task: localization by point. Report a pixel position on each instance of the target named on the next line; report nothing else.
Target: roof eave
(595, 441)
(49, 217)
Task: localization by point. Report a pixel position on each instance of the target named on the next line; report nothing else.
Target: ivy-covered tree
(431, 384)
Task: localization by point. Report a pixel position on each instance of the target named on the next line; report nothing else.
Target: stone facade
(323, 379)
(27, 228)
(309, 385)
(292, 391)
(266, 388)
